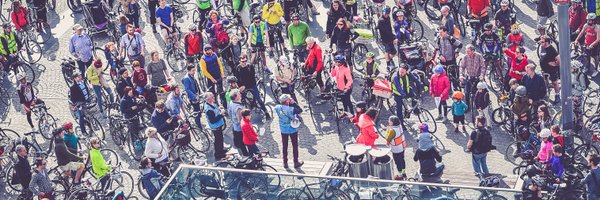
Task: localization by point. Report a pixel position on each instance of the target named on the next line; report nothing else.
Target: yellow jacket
(92, 75)
(275, 17)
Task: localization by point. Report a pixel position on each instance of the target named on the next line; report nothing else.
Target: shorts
(552, 72)
(459, 118)
(259, 46)
(162, 27)
(72, 166)
(389, 48)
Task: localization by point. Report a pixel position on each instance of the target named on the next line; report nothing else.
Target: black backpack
(482, 142)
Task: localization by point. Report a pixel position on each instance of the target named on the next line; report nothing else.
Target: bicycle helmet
(515, 29)
(284, 60)
(492, 181)
(590, 16)
(482, 85)
(370, 55)
(339, 58)
(488, 26)
(231, 79)
(57, 131)
(423, 127)
(438, 69)
(76, 74)
(387, 9)
(458, 95)
(576, 64)
(361, 104)
(20, 76)
(538, 180)
(521, 91)
(545, 133)
(256, 17)
(398, 13)
(67, 125)
(192, 27)
(208, 46)
(576, 1)
(504, 3)
(295, 16)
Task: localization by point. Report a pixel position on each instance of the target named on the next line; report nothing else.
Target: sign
(561, 2)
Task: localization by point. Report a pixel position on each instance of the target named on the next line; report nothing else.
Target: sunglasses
(340, 24)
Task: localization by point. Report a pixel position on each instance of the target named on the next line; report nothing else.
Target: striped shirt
(473, 66)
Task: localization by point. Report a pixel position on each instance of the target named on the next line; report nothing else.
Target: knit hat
(425, 142)
(98, 63)
(122, 70)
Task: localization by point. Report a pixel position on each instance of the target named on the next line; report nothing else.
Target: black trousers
(238, 141)
(219, 147)
(284, 141)
(152, 9)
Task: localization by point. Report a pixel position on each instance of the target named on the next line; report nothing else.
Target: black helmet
(387, 9)
(521, 91)
(538, 180)
(207, 46)
(488, 26)
(256, 17)
(491, 181)
(295, 16)
(361, 104)
(231, 79)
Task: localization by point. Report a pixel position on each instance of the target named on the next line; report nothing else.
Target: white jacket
(157, 148)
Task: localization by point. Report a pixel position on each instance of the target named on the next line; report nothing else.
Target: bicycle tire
(359, 53)
(25, 68)
(292, 193)
(59, 189)
(275, 90)
(426, 117)
(253, 186)
(177, 59)
(96, 126)
(8, 135)
(591, 104)
(46, 124)
(437, 143)
(557, 118)
(580, 154)
(431, 11)
(33, 52)
(8, 179)
(125, 182)
(135, 153)
(226, 10)
(275, 184)
(141, 189)
(187, 154)
(501, 115)
(181, 1)
(197, 184)
(115, 130)
(495, 80)
(202, 137)
(511, 153)
(41, 37)
(417, 30)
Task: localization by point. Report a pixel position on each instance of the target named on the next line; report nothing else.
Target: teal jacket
(459, 108)
(72, 142)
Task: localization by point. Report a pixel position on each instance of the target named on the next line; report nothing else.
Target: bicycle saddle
(244, 160)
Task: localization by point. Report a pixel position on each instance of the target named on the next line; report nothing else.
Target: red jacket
(367, 134)
(20, 19)
(314, 55)
(354, 119)
(193, 43)
(250, 136)
(477, 7)
(514, 41)
(576, 17)
(516, 67)
(439, 86)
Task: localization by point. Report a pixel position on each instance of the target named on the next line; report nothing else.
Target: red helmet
(68, 125)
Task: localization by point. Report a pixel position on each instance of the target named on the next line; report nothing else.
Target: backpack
(222, 38)
(586, 80)
(482, 142)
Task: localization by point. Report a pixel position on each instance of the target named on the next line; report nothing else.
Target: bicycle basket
(381, 88)
(183, 138)
(411, 54)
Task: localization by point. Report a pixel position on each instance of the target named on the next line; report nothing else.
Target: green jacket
(236, 4)
(98, 163)
(298, 33)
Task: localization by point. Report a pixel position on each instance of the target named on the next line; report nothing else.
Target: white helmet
(284, 60)
(504, 3)
(545, 133)
(482, 85)
(576, 64)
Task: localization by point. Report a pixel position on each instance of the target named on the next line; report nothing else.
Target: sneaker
(595, 73)
(267, 116)
(439, 118)
(154, 29)
(314, 11)
(298, 164)
(285, 165)
(398, 178)
(268, 71)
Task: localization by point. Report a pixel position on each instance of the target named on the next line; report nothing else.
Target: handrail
(186, 166)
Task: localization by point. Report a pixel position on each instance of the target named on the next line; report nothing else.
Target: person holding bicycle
(162, 120)
(79, 95)
(150, 179)
(272, 13)
(503, 18)
(591, 33)
(192, 90)
(298, 32)
(479, 10)
(71, 138)
(67, 161)
(371, 67)
(204, 7)
(166, 21)
(124, 81)
(286, 76)
(521, 107)
(579, 82)
(384, 27)
(215, 28)
(448, 20)
(472, 70)
(342, 37)
(535, 86)
(95, 76)
(258, 37)
(336, 12)
(20, 16)
(404, 85)
(40, 183)
(343, 79)
(132, 46)
(489, 43)
(246, 75)
(215, 118)
(577, 18)
(157, 149)
(27, 98)
(314, 62)
(41, 11)
(129, 108)
(193, 43)
(99, 165)
(514, 39)
(212, 69)
(448, 48)
(550, 62)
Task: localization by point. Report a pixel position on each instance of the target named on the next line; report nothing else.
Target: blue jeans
(98, 91)
(139, 89)
(252, 149)
(81, 115)
(479, 163)
(257, 98)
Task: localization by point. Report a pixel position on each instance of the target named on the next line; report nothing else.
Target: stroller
(97, 17)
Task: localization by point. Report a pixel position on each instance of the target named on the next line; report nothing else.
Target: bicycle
(34, 27)
(307, 193)
(432, 9)
(18, 66)
(503, 115)
(117, 180)
(515, 149)
(249, 186)
(496, 74)
(414, 106)
(182, 148)
(251, 102)
(31, 51)
(333, 96)
(200, 134)
(45, 121)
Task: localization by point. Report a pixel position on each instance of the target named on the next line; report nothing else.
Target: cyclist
(129, 109)
(235, 112)
(579, 83)
(71, 139)
(80, 47)
(215, 28)
(448, 21)
(286, 76)
(503, 17)
(258, 37)
(371, 67)
(99, 165)
(95, 76)
(162, 120)
(591, 31)
(40, 184)
(384, 27)
(192, 90)
(336, 12)
(550, 61)
(479, 10)
(132, 46)
(272, 13)
(131, 9)
(472, 70)
(518, 61)
(79, 94)
(204, 7)
(403, 85)
(314, 61)
(521, 107)
(246, 76)
(66, 160)
(448, 47)
(212, 69)
(27, 98)
(342, 38)
(401, 28)
(215, 118)
(193, 43)
(515, 38)
(166, 22)
(343, 79)
(535, 85)
(577, 18)
(20, 16)
(124, 81)
(298, 31)
(151, 180)
(157, 150)
(157, 70)
(439, 88)
(41, 11)
(489, 43)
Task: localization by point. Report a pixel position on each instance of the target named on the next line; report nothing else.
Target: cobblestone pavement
(318, 136)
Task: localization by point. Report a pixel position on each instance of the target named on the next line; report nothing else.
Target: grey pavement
(317, 136)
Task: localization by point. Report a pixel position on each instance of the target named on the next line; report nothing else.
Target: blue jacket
(190, 86)
(213, 116)
(151, 181)
(286, 114)
(159, 121)
(173, 104)
(125, 106)
(72, 142)
(459, 108)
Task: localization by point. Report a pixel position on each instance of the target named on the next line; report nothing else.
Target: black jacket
(246, 76)
(77, 94)
(22, 93)
(122, 84)
(544, 8)
(384, 26)
(342, 38)
(333, 17)
(23, 171)
(63, 155)
(427, 160)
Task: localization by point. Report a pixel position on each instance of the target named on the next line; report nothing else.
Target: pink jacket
(340, 73)
(367, 134)
(439, 86)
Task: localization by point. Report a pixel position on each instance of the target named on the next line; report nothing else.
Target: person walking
(394, 137)
(287, 113)
(235, 112)
(479, 144)
(215, 118)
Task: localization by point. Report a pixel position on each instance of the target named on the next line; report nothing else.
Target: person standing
(152, 10)
(212, 68)
(204, 6)
(287, 113)
(132, 46)
(314, 62)
(157, 149)
(439, 86)
(580, 82)
(40, 184)
(482, 102)
(151, 180)
(285, 74)
(193, 43)
(95, 76)
(250, 136)
(479, 144)
(544, 11)
(131, 9)
(124, 81)
(343, 79)
(235, 112)
(245, 75)
(22, 169)
(366, 125)
(139, 77)
(394, 137)
(99, 165)
(79, 95)
(216, 122)
(592, 179)
(550, 63)
(384, 27)
(472, 70)
(403, 85)
(157, 70)
(27, 98)
(192, 90)
(272, 13)
(298, 31)
(80, 46)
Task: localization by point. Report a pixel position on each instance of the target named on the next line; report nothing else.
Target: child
(545, 152)
(123, 21)
(458, 111)
(139, 77)
(396, 141)
(555, 163)
(401, 27)
(249, 134)
(513, 83)
(557, 137)
(111, 54)
(361, 108)
(482, 102)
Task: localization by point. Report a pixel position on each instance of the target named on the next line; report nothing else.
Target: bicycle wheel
(432, 10)
(501, 115)
(417, 31)
(292, 193)
(557, 118)
(40, 36)
(206, 183)
(226, 10)
(513, 149)
(177, 59)
(187, 154)
(274, 181)
(580, 154)
(591, 103)
(275, 90)
(82, 193)
(495, 80)
(25, 68)
(141, 189)
(437, 143)
(426, 117)
(123, 181)
(110, 156)
(359, 53)
(7, 135)
(116, 130)
(15, 186)
(253, 186)
(136, 147)
(46, 124)
(202, 138)
(59, 189)
(96, 128)
(32, 53)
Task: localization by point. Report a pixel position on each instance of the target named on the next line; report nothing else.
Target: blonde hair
(151, 131)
